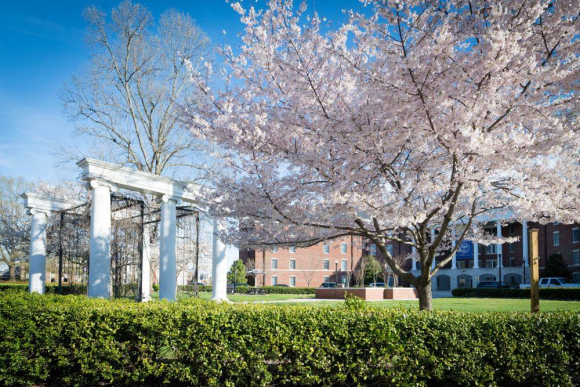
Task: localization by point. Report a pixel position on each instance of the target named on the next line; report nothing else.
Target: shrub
(246, 289)
(545, 294)
(73, 340)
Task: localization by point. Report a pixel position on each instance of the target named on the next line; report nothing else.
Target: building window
(556, 238)
(274, 280)
(343, 248)
(326, 264)
(512, 262)
(576, 257)
(326, 248)
(492, 263)
(511, 229)
(292, 249)
(391, 250)
(274, 263)
(471, 263)
(275, 249)
(512, 247)
(491, 249)
(461, 264)
(326, 279)
(343, 280)
(576, 235)
(292, 281)
(373, 250)
(343, 266)
(292, 264)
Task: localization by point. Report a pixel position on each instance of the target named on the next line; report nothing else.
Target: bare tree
(308, 267)
(400, 259)
(14, 222)
(127, 99)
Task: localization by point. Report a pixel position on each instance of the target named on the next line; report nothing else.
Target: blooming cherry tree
(410, 116)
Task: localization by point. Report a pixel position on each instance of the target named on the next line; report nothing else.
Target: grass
(475, 305)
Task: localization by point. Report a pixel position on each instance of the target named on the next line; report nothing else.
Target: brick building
(337, 260)
(334, 261)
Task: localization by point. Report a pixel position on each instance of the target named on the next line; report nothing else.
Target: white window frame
(274, 249)
(491, 249)
(326, 264)
(373, 250)
(274, 280)
(274, 266)
(291, 266)
(576, 257)
(292, 249)
(343, 248)
(292, 281)
(325, 248)
(343, 265)
(556, 238)
(576, 231)
(491, 263)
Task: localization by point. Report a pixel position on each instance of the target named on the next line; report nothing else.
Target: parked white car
(552, 282)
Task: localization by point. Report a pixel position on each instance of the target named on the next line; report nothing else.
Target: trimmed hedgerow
(76, 341)
(246, 289)
(545, 294)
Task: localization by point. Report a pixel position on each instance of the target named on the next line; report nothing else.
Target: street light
(336, 275)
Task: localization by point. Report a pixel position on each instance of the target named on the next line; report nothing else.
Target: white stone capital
(96, 183)
(166, 198)
(37, 211)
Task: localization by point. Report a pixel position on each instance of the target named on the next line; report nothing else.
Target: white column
(432, 239)
(37, 271)
(219, 265)
(100, 255)
(146, 269)
(475, 255)
(525, 243)
(453, 244)
(414, 258)
(167, 249)
(498, 246)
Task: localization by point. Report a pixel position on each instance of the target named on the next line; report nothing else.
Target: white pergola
(39, 207)
(104, 178)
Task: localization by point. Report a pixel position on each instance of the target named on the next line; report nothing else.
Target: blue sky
(42, 44)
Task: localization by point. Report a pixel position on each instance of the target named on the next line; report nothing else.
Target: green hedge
(71, 340)
(545, 294)
(49, 289)
(246, 289)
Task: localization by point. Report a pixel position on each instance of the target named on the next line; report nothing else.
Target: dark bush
(545, 294)
(72, 340)
(246, 289)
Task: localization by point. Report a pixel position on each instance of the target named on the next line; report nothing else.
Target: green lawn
(458, 304)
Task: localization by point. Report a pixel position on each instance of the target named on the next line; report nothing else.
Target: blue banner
(465, 250)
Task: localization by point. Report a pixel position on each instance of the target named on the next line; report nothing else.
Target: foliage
(572, 294)
(155, 287)
(14, 223)
(372, 269)
(237, 273)
(246, 289)
(409, 116)
(73, 340)
(556, 266)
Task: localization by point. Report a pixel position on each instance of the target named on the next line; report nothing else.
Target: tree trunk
(12, 272)
(425, 296)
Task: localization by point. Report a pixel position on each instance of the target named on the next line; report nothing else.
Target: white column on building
(37, 271)
(525, 243)
(453, 244)
(432, 239)
(475, 255)
(414, 258)
(100, 253)
(499, 245)
(167, 249)
(146, 269)
(219, 265)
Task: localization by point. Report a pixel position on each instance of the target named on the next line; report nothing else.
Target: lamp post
(336, 270)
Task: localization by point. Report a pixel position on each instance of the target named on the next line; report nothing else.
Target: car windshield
(562, 280)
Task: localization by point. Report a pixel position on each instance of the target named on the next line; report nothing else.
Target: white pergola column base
(219, 266)
(167, 250)
(146, 269)
(100, 253)
(37, 269)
